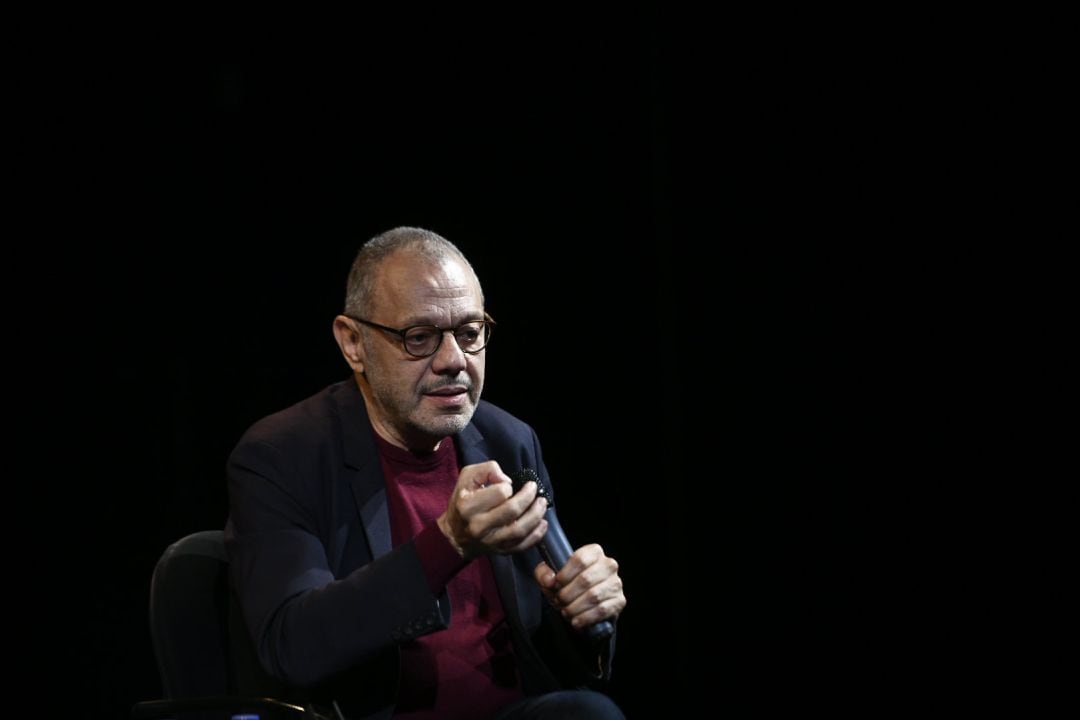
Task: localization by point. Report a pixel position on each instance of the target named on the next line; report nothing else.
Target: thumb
(545, 576)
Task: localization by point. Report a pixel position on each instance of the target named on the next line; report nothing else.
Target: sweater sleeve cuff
(438, 558)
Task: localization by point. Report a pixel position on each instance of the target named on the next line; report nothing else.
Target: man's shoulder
(312, 419)
(494, 422)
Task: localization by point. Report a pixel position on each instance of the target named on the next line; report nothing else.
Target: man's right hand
(486, 516)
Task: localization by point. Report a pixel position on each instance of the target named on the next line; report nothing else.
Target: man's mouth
(448, 391)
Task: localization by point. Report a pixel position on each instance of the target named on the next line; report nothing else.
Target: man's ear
(348, 339)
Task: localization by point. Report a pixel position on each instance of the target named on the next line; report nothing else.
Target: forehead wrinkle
(442, 291)
(428, 293)
(435, 314)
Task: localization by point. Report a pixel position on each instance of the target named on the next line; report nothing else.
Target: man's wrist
(444, 527)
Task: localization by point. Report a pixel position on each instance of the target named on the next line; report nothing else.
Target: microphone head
(525, 475)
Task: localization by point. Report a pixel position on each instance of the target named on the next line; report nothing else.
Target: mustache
(463, 381)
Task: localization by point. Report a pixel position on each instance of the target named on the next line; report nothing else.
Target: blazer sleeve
(308, 625)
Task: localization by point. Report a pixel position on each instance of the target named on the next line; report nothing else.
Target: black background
(704, 242)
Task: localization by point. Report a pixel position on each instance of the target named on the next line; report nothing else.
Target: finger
(591, 576)
(599, 602)
(544, 575)
(524, 529)
(535, 536)
(481, 475)
(489, 473)
(583, 557)
(480, 500)
(506, 512)
(608, 610)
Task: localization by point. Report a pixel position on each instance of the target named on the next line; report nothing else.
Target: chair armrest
(265, 708)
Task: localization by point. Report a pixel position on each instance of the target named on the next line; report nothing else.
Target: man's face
(415, 402)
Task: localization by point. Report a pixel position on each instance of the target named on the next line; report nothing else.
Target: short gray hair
(365, 268)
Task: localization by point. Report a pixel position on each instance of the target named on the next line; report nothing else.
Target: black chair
(206, 660)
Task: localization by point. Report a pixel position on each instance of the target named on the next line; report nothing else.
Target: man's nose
(449, 357)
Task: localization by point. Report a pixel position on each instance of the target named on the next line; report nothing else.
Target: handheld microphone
(554, 547)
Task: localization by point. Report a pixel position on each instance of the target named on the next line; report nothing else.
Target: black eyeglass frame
(488, 322)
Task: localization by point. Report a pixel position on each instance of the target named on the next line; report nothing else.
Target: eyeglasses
(424, 340)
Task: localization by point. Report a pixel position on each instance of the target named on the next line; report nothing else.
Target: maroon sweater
(467, 670)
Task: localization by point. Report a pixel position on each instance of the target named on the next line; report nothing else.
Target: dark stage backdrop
(684, 229)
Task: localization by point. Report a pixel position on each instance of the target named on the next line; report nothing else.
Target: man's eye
(419, 337)
(468, 335)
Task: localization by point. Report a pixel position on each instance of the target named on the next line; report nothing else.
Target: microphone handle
(556, 551)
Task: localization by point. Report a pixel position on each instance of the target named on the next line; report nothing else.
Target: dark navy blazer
(325, 597)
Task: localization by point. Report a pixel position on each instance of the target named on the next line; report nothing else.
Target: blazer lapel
(365, 475)
(370, 495)
(474, 449)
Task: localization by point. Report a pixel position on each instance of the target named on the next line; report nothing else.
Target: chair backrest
(189, 616)
(205, 657)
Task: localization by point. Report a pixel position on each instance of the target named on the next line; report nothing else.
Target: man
(381, 556)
